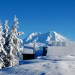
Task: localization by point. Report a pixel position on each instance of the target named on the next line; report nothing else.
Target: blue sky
(41, 15)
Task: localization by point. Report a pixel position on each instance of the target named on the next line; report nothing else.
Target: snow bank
(42, 66)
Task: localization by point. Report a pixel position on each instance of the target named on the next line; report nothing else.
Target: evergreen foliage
(10, 44)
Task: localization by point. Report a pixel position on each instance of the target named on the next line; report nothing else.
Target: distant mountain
(44, 38)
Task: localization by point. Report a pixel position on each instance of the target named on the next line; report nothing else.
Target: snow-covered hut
(28, 53)
(67, 48)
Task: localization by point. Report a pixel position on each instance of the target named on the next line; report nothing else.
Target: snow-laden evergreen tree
(6, 36)
(6, 45)
(15, 44)
(3, 53)
(10, 45)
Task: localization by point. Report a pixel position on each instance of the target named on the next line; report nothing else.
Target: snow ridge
(45, 38)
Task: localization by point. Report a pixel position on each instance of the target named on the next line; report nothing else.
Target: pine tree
(3, 53)
(6, 36)
(15, 43)
(6, 45)
(10, 45)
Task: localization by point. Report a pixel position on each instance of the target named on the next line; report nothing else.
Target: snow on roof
(28, 50)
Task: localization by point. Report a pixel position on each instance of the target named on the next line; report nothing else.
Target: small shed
(28, 53)
(67, 48)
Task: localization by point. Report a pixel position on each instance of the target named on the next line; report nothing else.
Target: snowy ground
(43, 66)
